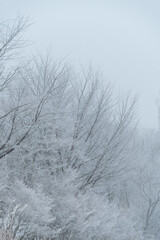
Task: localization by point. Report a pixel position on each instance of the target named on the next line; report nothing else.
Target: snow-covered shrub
(89, 215)
(35, 219)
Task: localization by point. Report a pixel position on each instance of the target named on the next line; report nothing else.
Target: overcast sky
(120, 38)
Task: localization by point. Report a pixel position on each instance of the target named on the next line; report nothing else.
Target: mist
(79, 120)
(120, 39)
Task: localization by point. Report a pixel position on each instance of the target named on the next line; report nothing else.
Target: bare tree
(103, 127)
(150, 192)
(19, 89)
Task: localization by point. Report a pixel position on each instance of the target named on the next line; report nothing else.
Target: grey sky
(121, 38)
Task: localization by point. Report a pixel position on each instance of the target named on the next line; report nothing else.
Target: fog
(74, 163)
(120, 38)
